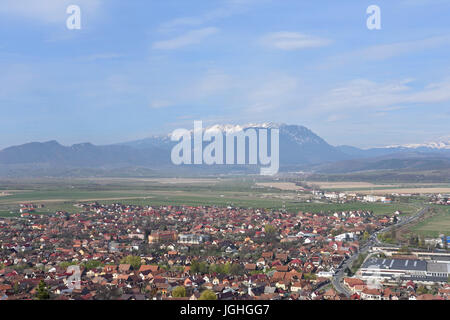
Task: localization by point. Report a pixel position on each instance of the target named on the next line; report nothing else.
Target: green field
(435, 225)
(239, 192)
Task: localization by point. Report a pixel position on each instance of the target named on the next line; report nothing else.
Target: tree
(309, 276)
(107, 293)
(422, 290)
(134, 261)
(414, 240)
(16, 287)
(208, 295)
(269, 229)
(199, 267)
(237, 269)
(405, 250)
(227, 268)
(421, 241)
(270, 232)
(42, 291)
(66, 264)
(366, 236)
(179, 292)
(93, 264)
(195, 266)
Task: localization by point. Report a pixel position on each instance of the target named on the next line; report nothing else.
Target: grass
(358, 263)
(436, 225)
(62, 195)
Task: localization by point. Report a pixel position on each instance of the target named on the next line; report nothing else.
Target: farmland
(62, 194)
(435, 225)
(382, 189)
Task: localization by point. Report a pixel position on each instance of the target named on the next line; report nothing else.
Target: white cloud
(386, 51)
(228, 9)
(47, 11)
(189, 38)
(368, 95)
(293, 41)
(159, 104)
(102, 56)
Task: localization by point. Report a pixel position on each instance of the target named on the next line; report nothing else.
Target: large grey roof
(438, 267)
(396, 264)
(441, 258)
(425, 278)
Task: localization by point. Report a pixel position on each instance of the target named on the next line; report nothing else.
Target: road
(373, 240)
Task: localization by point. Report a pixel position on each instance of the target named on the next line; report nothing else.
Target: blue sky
(144, 67)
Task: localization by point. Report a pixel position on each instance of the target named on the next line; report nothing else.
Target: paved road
(373, 240)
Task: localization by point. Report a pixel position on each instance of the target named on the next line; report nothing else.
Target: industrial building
(427, 271)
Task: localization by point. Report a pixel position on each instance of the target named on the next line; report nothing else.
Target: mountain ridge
(300, 149)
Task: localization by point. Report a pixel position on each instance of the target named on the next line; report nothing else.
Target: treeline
(223, 269)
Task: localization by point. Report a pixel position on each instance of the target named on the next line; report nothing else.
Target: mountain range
(300, 149)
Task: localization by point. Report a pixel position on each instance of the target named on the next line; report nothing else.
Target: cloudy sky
(144, 67)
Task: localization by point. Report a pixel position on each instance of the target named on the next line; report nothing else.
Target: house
(124, 268)
(296, 287)
(371, 294)
(330, 294)
(250, 267)
(354, 284)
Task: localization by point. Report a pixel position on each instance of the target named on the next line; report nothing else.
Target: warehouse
(404, 269)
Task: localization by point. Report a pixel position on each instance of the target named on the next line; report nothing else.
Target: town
(130, 252)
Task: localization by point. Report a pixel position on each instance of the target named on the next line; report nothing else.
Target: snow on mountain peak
(230, 128)
(442, 145)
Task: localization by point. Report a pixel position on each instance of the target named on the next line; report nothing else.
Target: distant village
(343, 197)
(128, 252)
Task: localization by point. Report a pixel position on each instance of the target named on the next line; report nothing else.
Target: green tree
(42, 291)
(366, 236)
(134, 261)
(195, 266)
(204, 267)
(422, 290)
(309, 276)
(199, 267)
(227, 268)
(270, 233)
(66, 264)
(16, 287)
(236, 269)
(93, 264)
(405, 250)
(269, 229)
(179, 292)
(208, 295)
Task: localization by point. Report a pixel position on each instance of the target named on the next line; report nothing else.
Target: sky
(144, 67)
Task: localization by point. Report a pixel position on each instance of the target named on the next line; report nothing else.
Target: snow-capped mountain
(442, 145)
(299, 149)
(298, 144)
